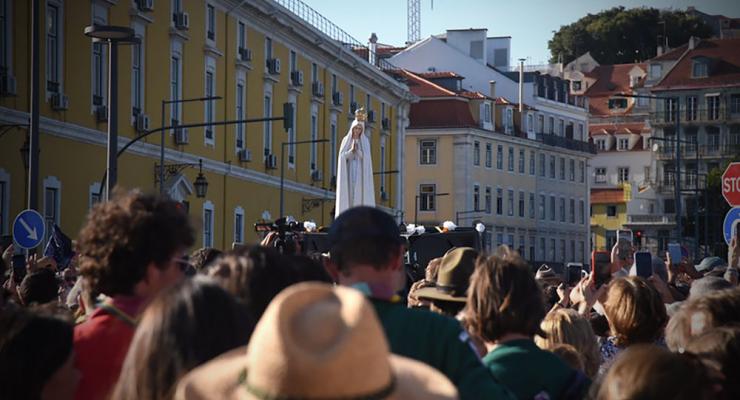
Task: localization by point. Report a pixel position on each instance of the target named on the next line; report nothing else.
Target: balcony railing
(651, 219)
(563, 142)
(668, 151)
(698, 115)
(323, 24)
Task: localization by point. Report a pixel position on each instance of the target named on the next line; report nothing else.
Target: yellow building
(255, 55)
(608, 214)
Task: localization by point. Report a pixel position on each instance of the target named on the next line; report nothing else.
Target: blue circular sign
(29, 229)
(731, 220)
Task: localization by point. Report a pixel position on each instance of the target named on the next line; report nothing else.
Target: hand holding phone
(643, 264)
(600, 267)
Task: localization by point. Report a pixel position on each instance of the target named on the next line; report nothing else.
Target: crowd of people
(132, 316)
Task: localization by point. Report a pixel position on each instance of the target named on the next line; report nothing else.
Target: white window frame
(623, 144)
(476, 197)
(522, 162)
(59, 70)
(427, 199)
(489, 155)
(241, 37)
(140, 47)
(5, 202)
(267, 106)
(488, 200)
(292, 98)
(476, 153)
(208, 225)
(623, 174)
(333, 144)
(175, 86)
(209, 106)
(240, 113)
(383, 157)
(292, 61)
(52, 182)
(6, 35)
(94, 193)
(239, 225)
(499, 157)
(428, 153)
(510, 202)
(210, 22)
(313, 162)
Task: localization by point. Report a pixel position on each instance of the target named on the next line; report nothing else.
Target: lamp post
(677, 181)
(282, 168)
(113, 35)
(201, 184)
(416, 205)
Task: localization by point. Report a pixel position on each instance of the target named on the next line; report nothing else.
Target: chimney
(492, 85)
(521, 85)
(372, 49)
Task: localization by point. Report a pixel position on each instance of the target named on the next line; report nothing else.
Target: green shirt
(528, 370)
(440, 342)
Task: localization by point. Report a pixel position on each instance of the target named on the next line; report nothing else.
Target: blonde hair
(566, 326)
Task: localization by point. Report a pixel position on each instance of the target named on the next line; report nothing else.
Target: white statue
(355, 185)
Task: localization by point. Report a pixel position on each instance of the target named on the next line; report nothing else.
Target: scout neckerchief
(108, 306)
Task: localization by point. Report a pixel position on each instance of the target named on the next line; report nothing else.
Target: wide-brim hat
(453, 277)
(316, 341)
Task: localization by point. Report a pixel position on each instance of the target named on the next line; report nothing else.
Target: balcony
(563, 142)
(651, 219)
(695, 116)
(689, 151)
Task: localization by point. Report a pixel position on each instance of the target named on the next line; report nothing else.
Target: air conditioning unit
(383, 195)
(245, 155)
(181, 136)
(145, 5)
(317, 175)
(371, 116)
(182, 20)
(353, 107)
(8, 85)
(273, 66)
(386, 123)
(271, 161)
(245, 54)
(317, 89)
(101, 113)
(142, 123)
(338, 98)
(59, 102)
(296, 77)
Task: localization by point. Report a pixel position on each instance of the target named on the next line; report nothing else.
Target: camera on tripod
(288, 233)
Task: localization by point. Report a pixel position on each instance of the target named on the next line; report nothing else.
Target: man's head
(202, 258)
(132, 244)
(365, 237)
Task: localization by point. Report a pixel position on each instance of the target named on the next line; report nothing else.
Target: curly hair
(123, 236)
(504, 297)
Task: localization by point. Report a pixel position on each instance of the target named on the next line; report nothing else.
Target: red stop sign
(731, 184)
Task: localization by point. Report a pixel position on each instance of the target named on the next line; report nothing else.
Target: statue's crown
(360, 114)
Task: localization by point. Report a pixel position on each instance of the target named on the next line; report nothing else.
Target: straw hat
(453, 277)
(316, 341)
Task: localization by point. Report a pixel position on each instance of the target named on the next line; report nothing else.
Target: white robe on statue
(355, 186)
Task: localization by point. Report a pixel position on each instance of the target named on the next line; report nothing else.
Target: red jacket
(101, 344)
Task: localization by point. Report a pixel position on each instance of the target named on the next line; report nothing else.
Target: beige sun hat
(316, 341)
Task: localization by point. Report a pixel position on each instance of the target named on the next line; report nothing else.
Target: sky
(530, 23)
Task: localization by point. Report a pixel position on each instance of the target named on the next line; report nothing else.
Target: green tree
(620, 35)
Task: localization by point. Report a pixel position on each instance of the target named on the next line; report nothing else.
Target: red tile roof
(724, 71)
(442, 113)
(610, 80)
(607, 196)
(611, 129)
(441, 74)
(473, 95)
(424, 88)
(673, 54)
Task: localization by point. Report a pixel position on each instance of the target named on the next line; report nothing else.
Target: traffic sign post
(29, 229)
(731, 220)
(731, 184)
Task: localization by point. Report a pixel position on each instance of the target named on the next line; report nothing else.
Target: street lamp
(416, 205)
(282, 168)
(25, 153)
(677, 181)
(113, 35)
(164, 171)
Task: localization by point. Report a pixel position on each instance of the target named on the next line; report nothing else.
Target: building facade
(470, 159)
(703, 75)
(254, 55)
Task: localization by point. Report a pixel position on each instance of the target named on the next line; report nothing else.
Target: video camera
(288, 233)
